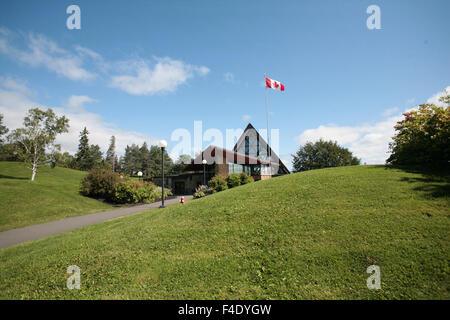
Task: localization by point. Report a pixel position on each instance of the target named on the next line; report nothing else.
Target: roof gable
(263, 144)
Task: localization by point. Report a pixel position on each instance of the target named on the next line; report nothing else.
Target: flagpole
(267, 122)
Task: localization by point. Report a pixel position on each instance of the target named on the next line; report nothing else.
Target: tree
(131, 161)
(65, 160)
(83, 157)
(156, 164)
(322, 154)
(3, 129)
(111, 153)
(181, 163)
(422, 137)
(96, 158)
(5, 149)
(88, 156)
(144, 158)
(35, 143)
(117, 164)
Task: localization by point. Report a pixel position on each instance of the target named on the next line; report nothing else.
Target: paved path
(16, 236)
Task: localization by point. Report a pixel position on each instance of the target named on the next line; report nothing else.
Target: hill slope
(52, 196)
(308, 235)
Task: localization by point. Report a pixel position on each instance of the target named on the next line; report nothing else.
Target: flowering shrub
(422, 137)
(202, 191)
(245, 178)
(233, 180)
(218, 183)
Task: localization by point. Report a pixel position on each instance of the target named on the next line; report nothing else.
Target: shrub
(134, 192)
(233, 180)
(167, 193)
(245, 178)
(218, 183)
(202, 191)
(99, 183)
(138, 192)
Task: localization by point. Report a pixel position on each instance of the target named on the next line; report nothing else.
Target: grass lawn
(308, 235)
(52, 196)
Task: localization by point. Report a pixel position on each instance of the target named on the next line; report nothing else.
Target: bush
(218, 183)
(202, 191)
(233, 180)
(99, 183)
(245, 178)
(134, 192)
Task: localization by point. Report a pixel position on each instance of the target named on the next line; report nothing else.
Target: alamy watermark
(187, 143)
(374, 281)
(74, 20)
(74, 281)
(374, 20)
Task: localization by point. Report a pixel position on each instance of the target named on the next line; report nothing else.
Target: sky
(143, 70)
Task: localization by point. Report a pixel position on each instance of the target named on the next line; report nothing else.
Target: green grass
(309, 235)
(52, 196)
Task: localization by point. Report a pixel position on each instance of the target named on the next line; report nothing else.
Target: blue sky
(141, 69)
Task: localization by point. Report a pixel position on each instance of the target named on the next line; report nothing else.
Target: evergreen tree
(111, 153)
(144, 158)
(117, 164)
(131, 160)
(83, 157)
(96, 157)
(155, 162)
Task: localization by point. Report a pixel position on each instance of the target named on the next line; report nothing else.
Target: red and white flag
(274, 84)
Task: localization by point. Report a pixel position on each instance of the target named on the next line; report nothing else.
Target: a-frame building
(252, 144)
(251, 155)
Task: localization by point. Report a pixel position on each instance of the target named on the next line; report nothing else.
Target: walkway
(16, 236)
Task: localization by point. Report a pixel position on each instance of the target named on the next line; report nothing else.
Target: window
(235, 168)
(257, 146)
(247, 145)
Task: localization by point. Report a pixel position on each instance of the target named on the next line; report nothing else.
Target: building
(251, 154)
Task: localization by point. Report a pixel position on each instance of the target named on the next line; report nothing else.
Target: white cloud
(165, 76)
(15, 103)
(10, 83)
(391, 111)
(369, 142)
(42, 52)
(246, 117)
(76, 103)
(136, 76)
(434, 99)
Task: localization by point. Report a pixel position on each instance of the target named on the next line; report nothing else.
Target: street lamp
(140, 175)
(162, 145)
(204, 172)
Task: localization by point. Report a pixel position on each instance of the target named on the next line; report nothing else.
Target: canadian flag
(274, 84)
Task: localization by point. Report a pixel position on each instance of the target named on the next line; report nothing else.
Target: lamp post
(162, 145)
(204, 172)
(140, 175)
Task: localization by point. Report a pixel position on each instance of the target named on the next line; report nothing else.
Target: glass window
(235, 168)
(257, 146)
(247, 145)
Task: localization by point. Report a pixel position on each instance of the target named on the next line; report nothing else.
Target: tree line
(35, 145)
